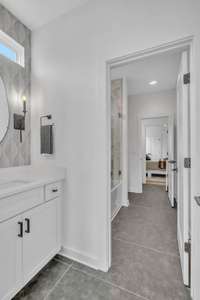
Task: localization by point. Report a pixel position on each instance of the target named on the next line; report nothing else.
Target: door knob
(197, 198)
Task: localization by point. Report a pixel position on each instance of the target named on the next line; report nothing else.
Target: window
(7, 52)
(11, 49)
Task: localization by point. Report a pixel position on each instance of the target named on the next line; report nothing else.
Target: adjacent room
(156, 150)
(145, 185)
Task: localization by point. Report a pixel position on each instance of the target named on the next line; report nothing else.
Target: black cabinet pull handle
(27, 225)
(54, 190)
(21, 229)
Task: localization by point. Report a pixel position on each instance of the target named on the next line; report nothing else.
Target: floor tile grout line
(151, 222)
(152, 207)
(148, 248)
(109, 283)
(57, 282)
(63, 262)
(91, 275)
(103, 280)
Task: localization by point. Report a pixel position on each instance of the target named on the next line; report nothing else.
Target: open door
(171, 166)
(125, 200)
(183, 165)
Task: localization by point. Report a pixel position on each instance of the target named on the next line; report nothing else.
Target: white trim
(80, 257)
(194, 157)
(126, 203)
(116, 212)
(108, 152)
(134, 189)
(177, 44)
(15, 46)
(125, 200)
(116, 186)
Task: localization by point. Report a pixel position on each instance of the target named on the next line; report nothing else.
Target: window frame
(14, 46)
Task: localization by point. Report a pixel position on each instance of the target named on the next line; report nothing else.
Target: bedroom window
(10, 49)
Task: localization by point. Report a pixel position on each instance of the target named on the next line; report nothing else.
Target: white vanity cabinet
(40, 237)
(29, 239)
(10, 257)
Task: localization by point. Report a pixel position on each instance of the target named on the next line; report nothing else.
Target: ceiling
(36, 13)
(161, 67)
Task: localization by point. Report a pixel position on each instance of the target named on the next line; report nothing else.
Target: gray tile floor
(145, 262)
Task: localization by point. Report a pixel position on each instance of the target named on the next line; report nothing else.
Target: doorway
(171, 168)
(155, 140)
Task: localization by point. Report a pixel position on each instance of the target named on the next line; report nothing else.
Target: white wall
(69, 80)
(143, 106)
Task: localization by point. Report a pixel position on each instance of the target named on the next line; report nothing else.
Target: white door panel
(183, 178)
(195, 248)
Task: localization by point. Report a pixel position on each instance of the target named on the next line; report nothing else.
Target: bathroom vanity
(30, 219)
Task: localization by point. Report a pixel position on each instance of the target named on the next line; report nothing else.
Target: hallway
(146, 232)
(145, 262)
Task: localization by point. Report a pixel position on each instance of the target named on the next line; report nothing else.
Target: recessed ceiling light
(153, 82)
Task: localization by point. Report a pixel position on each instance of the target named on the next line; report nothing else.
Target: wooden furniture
(152, 168)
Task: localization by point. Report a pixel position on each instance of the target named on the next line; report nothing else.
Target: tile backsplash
(17, 82)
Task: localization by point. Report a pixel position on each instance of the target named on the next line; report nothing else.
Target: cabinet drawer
(53, 190)
(16, 204)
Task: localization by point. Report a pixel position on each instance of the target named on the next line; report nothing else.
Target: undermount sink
(12, 183)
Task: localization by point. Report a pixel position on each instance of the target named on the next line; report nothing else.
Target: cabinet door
(40, 241)
(10, 256)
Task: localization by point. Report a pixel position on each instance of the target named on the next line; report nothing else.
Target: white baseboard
(134, 189)
(80, 257)
(126, 203)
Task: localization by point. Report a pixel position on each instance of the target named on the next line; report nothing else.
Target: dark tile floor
(145, 261)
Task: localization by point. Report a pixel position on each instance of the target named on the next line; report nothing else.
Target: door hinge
(120, 172)
(187, 162)
(187, 247)
(186, 78)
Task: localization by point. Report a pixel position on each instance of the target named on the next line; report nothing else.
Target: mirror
(4, 111)
(157, 142)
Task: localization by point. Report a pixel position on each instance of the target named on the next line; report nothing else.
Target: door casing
(180, 44)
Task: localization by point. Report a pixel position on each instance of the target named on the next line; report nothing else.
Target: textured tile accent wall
(17, 82)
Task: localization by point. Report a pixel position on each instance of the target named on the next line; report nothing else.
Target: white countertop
(30, 176)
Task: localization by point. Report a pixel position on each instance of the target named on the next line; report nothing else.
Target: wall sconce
(19, 120)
